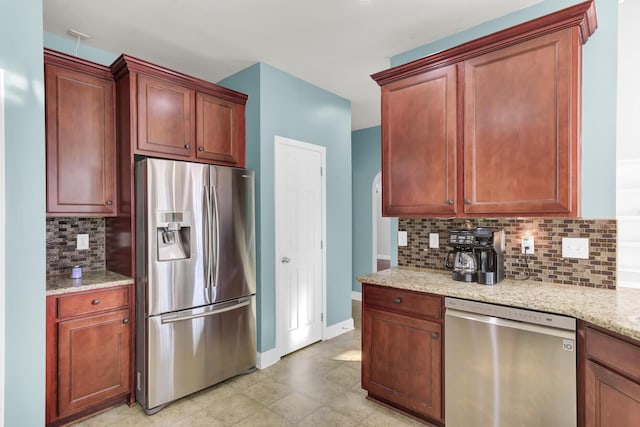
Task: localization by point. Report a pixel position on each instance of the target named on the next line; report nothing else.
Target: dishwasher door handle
(512, 324)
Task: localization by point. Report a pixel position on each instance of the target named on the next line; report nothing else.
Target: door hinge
(322, 317)
(321, 244)
(321, 171)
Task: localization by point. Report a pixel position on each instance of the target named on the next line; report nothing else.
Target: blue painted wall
(68, 45)
(293, 108)
(599, 87)
(366, 163)
(21, 59)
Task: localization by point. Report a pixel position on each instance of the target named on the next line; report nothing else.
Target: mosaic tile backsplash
(61, 244)
(546, 264)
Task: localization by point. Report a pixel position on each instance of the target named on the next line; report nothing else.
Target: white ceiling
(333, 44)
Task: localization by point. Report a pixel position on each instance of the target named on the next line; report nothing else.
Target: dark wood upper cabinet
(490, 127)
(171, 115)
(80, 130)
(165, 113)
(419, 143)
(219, 137)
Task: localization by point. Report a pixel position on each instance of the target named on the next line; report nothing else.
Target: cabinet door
(81, 164)
(401, 361)
(419, 124)
(165, 112)
(610, 399)
(93, 360)
(217, 130)
(521, 118)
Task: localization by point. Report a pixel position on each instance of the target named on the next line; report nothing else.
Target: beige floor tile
(174, 413)
(322, 390)
(200, 418)
(233, 408)
(242, 382)
(213, 394)
(354, 405)
(264, 418)
(294, 407)
(344, 375)
(267, 392)
(327, 417)
(122, 415)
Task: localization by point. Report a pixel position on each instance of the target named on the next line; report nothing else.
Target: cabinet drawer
(403, 301)
(92, 302)
(619, 355)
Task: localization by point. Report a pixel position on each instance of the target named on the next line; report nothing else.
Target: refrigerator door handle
(216, 241)
(172, 318)
(206, 242)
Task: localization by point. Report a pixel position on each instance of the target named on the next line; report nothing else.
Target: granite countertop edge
(615, 310)
(62, 284)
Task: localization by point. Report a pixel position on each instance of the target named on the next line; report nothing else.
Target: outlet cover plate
(530, 243)
(574, 247)
(82, 242)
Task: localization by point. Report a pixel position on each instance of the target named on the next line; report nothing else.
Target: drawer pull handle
(109, 202)
(397, 300)
(434, 335)
(449, 202)
(200, 148)
(125, 321)
(187, 146)
(467, 201)
(95, 301)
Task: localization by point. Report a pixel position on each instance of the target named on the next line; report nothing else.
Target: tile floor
(316, 386)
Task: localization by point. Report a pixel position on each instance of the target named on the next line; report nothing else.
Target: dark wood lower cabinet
(611, 380)
(402, 351)
(88, 353)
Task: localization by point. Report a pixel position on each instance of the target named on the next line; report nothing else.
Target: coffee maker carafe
(489, 253)
(462, 258)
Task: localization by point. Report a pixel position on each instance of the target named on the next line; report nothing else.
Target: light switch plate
(434, 240)
(573, 247)
(82, 242)
(402, 238)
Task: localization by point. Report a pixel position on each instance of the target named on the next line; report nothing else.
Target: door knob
(285, 260)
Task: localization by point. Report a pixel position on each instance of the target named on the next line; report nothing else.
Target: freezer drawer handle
(95, 301)
(210, 313)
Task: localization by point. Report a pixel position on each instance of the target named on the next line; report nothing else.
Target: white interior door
(300, 212)
(2, 247)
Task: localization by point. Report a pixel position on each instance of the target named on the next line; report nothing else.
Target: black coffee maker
(462, 258)
(488, 248)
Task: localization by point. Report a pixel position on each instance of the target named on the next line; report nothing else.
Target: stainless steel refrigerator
(195, 278)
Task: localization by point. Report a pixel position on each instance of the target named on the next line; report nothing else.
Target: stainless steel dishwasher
(508, 367)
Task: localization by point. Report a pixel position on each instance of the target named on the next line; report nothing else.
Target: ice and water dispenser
(174, 236)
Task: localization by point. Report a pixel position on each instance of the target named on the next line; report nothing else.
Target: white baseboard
(267, 358)
(357, 296)
(338, 329)
(386, 257)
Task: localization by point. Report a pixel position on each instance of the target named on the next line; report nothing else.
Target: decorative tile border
(61, 244)
(546, 264)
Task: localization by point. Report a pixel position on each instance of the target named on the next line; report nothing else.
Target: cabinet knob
(108, 202)
(435, 335)
(467, 201)
(449, 202)
(200, 148)
(187, 146)
(125, 321)
(397, 300)
(95, 301)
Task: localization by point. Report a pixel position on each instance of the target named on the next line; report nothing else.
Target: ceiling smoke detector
(77, 34)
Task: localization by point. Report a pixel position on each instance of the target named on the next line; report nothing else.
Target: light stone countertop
(616, 310)
(62, 284)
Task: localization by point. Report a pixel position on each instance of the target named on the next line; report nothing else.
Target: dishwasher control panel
(512, 313)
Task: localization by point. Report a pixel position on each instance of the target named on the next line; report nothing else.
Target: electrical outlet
(528, 245)
(573, 247)
(82, 242)
(434, 240)
(402, 238)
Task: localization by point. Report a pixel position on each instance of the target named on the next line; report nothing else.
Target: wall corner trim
(267, 358)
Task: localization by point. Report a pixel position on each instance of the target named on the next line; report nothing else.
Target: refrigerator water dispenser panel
(173, 236)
